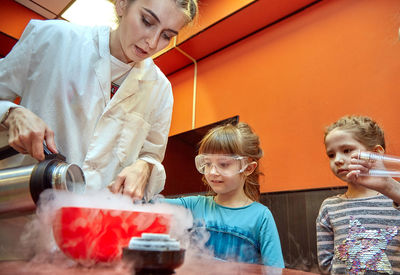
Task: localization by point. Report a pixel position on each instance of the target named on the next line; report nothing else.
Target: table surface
(190, 266)
(13, 262)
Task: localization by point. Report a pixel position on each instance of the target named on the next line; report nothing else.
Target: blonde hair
(364, 129)
(239, 140)
(190, 8)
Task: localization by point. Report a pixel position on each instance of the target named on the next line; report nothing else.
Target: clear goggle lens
(225, 165)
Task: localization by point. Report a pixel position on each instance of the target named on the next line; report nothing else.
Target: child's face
(340, 144)
(224, 183)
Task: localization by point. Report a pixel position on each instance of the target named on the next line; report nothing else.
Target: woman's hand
(132, 180)
(27, 132)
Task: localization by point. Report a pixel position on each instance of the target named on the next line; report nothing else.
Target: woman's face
(146, 27)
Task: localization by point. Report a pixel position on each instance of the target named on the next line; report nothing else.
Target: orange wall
(211, 11)
(291, 80)
(14, 18)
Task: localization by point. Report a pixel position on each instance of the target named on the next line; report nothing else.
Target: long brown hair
(238, 140)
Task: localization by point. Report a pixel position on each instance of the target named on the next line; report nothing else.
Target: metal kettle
(21, 186)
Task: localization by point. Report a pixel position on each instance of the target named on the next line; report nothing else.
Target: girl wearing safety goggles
(241, 228)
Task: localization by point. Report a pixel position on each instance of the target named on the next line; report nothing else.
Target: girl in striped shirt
(358, 231)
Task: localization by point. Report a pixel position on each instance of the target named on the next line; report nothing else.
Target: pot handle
(8, 151)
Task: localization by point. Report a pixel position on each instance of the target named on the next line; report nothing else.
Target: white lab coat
(62, 73)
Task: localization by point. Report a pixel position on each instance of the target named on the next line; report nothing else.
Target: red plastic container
(98, 235)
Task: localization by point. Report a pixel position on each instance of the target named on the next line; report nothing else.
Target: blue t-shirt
(245, 234)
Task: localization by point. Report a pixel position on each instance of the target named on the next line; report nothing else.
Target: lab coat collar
(103, 34)
(140, 79)
(138, 83)
(102, 66)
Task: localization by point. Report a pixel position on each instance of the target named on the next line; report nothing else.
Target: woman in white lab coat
(95, 95)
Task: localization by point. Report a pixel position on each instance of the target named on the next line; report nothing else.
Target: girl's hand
(356, 167)
(384, 185)
(27, 132)
(132, 180)
(359, 166)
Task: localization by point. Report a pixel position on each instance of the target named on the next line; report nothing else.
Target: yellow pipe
(194, 81)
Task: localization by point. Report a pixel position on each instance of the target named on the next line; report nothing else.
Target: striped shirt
(358, 236)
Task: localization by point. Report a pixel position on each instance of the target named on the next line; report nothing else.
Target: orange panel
(14, 18)
(210, 12)
(242, 23)
(245, 21)
(182, 86)
(291, 80)
(172, 61)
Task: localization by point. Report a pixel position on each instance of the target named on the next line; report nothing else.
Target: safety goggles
(225, 165)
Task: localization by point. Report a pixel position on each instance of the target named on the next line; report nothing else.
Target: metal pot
(20, 187)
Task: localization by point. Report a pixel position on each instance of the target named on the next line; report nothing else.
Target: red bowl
(98, 235)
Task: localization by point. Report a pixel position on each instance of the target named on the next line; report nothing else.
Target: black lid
(41, 177)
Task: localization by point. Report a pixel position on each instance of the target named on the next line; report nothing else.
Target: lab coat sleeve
(153, 149)
(14, 68)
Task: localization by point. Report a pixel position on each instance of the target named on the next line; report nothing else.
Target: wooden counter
(190, 267)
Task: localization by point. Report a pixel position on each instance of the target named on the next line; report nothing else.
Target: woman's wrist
(147, 167)
(6, 116)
